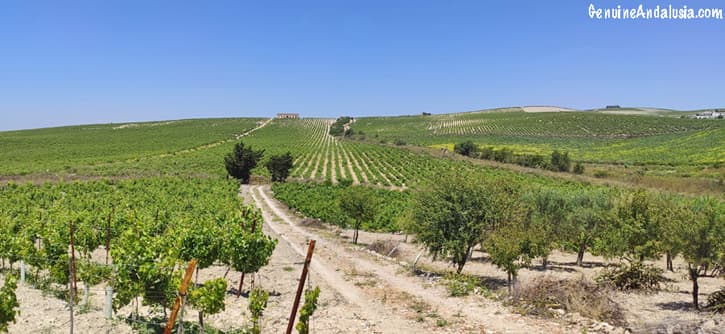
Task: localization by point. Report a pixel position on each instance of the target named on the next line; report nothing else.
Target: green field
(66, 148)
(589, 136)
(373, 155)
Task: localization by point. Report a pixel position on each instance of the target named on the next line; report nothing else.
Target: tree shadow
(552, 268)
(426, 274)
(492, 283)
(157, 324)
(245, 293)
(585, 264)
(676, 306)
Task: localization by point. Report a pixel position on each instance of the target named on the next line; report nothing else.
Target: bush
(716, 301)
(560, 162)
(486, 153)
(578, 168)
(635, 276)
(459, 285)
(465, 148)
(533, 161)
(504, 155)
(400, 142)
(544, 295)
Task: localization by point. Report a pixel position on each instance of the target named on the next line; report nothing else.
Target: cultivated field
(157, 194)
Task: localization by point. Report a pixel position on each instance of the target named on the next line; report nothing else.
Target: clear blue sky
(75, 62)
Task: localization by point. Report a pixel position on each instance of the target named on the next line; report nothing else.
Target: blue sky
(75, 62)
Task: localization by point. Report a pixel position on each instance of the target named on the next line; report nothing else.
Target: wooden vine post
(182, 293)
(300, 286)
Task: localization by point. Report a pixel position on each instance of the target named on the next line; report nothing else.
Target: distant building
(288, 115)
(709, 114)
(613, 106)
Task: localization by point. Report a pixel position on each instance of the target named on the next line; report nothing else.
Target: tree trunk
(695, 287)
(459, 269)
(580, 254)
(509, 281)
(545, 261)
(241, 282)
(201, 322)
(669, 262)
(354, 235)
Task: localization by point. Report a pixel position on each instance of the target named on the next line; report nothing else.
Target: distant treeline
(558, 162)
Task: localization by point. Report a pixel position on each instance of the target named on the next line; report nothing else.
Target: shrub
(533, 161)
(560, 162)
(486, 153)
(465, 148)
(578, 168)
(601, 174)
(503, 155)
(716, 301)
(544, 295)
(635, 276)
(400, 142)
(459, 285)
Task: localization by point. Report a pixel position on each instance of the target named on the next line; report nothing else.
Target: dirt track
(383, 288)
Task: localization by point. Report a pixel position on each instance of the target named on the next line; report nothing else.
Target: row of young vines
(136, 235)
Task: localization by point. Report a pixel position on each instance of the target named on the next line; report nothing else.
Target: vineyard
(67, 148)
(146, 230)
(156, 195)
(321, 157)
(593, 137)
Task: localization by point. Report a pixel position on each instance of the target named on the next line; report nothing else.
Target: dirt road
(382, 289)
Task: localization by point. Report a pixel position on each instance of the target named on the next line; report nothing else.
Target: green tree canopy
(279, 166)
(455, 212)
(241, 161)
(465, 148)
(360, 204)
(703, 239)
